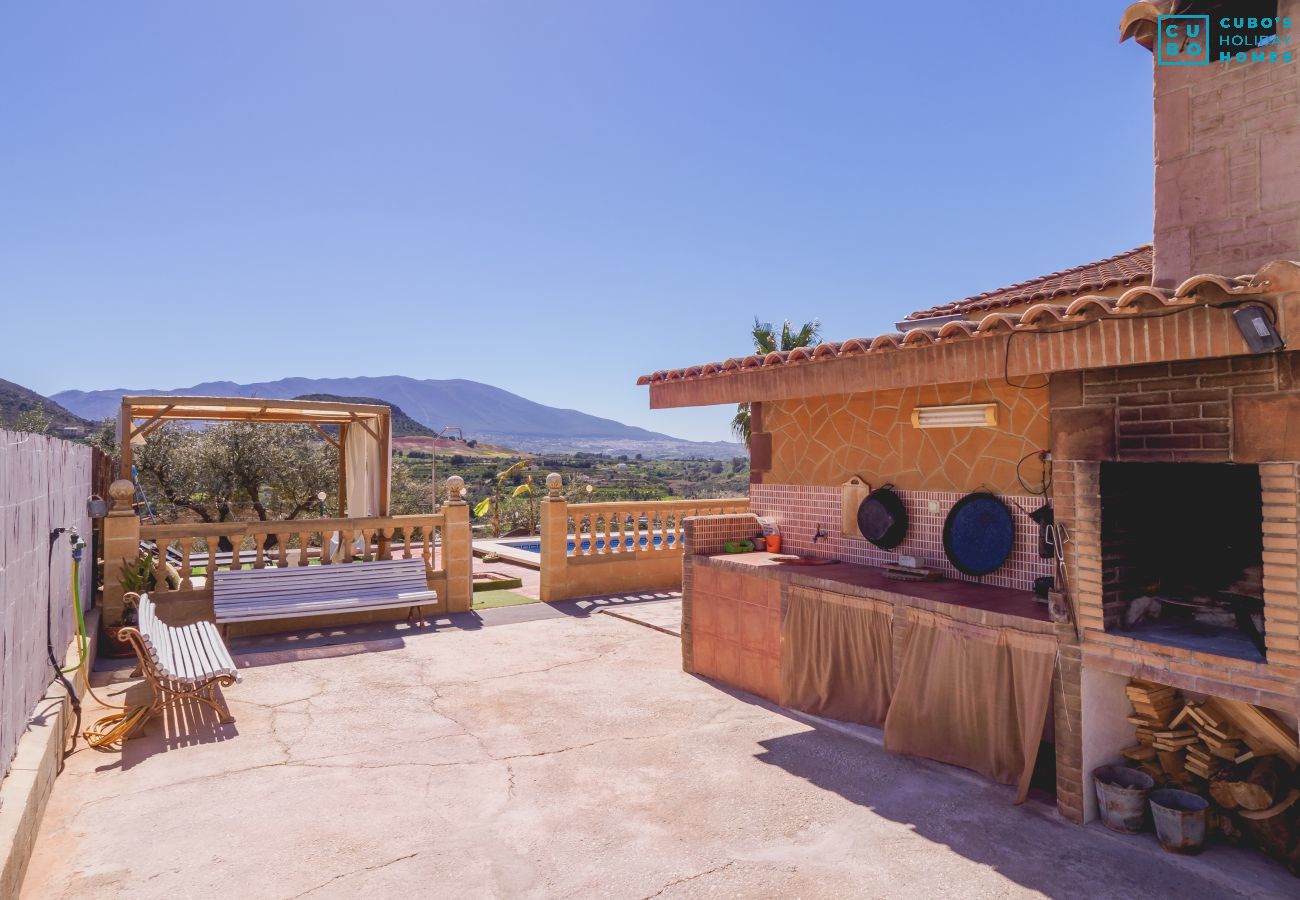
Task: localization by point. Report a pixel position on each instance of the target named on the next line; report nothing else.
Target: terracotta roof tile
(1124, 269)
(1139, 300)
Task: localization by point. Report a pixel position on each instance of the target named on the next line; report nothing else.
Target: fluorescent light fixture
(970, 415)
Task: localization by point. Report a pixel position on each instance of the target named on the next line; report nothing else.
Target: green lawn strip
(244, 567)
(496, 599)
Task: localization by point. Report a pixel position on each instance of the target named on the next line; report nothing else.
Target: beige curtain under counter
(836, 654)
(972, 696)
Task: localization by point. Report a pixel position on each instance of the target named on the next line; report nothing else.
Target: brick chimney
(1227, 152)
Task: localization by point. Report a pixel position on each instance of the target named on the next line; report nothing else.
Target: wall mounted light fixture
(1257, 329)
(969, 415)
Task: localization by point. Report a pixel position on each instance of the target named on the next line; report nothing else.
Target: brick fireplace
(1201, 453)
(1181, 560)
(1198, 419)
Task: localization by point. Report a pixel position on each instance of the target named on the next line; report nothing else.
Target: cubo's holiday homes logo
(1184, 41)
(1197, 40)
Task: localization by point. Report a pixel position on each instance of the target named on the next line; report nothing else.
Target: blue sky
(551, 197)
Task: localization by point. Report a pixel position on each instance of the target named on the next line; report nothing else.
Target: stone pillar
(555, 540)
(121, 545)
(457, 550)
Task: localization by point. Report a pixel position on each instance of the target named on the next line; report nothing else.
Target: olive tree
(274, 470)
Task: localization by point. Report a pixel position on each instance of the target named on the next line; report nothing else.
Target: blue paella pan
(978, 534)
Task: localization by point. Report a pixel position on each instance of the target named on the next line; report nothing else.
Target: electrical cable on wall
(1045, 472)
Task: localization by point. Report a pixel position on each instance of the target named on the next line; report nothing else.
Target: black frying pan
(882, 518)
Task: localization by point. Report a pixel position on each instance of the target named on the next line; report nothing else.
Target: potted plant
(112, 646)
(136, 578)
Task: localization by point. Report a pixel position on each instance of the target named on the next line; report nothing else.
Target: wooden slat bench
(188, 662)
(253, 595)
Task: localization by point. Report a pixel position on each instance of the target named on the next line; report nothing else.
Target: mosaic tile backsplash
(798, 510)
(709, 534)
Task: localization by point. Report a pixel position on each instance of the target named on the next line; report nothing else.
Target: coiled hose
(108, 733)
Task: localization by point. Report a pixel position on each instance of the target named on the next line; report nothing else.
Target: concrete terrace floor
(546, 752)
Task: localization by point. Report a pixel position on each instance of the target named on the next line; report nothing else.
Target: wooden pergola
(140, 416)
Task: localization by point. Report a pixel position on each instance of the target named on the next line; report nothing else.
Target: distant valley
(486, 413)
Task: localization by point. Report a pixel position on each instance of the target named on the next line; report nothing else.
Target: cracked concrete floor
(562, 757)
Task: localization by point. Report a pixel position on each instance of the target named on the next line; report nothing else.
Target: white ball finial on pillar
(455, 489)
(553, 485)
(122, 495)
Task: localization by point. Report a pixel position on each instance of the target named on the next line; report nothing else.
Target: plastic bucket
(1180, 818)
(1122, 797)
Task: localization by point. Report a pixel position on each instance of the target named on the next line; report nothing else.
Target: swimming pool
(628, 542)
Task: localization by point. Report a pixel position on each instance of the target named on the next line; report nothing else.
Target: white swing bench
(255, 595)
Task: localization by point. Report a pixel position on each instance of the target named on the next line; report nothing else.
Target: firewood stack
(1238, 756)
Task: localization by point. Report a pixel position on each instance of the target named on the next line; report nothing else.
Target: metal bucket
(1180, 818)
(1122, 797)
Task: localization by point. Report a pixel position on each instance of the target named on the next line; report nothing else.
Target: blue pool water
(628, 541)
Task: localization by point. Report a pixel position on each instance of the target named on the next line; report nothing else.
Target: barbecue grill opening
(1182, 548)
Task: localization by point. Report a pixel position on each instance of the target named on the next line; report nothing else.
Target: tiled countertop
(983, 604)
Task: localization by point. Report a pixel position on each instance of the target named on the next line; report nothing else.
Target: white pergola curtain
(365, 469)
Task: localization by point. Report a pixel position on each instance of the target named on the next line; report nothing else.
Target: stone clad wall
(826, 440)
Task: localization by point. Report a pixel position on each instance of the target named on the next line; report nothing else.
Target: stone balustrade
(183, 549)
(610, 547)
(185, 555)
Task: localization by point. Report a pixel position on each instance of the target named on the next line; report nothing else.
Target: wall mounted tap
(820, 535)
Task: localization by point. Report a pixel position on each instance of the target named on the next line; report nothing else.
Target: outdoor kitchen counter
(962, 600)
(952, 671)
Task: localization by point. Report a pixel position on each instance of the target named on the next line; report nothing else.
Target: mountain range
(483, 411)
(16, 400)
(403, 425)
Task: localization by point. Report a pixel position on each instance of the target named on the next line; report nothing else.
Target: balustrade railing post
(457, 549)
(555, 540)
(121, 545)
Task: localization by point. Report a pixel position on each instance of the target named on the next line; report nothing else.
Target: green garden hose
(109, 732)
(83, 645)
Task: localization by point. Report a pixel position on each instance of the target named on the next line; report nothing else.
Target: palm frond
(740, 423)
(806, 336)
